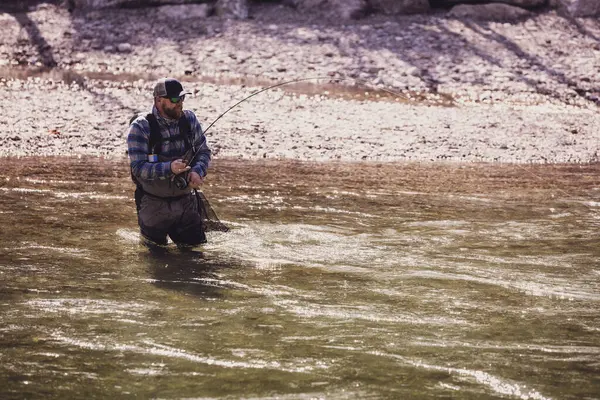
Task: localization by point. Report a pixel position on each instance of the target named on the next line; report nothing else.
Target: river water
(336, 281)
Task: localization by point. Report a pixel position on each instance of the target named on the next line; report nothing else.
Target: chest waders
(210, 220)
(163, 188)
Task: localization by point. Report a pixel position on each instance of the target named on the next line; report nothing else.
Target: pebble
(525, 86)
(124, 48)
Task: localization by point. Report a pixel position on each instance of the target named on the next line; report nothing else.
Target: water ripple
(364, 313)
(64, 195)
(156, 349)
(497, 385)
(520, 283)
(89, 306)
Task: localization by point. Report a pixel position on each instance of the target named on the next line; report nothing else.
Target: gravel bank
(511, 92)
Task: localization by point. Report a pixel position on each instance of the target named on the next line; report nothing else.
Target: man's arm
(201, 161)
(138, 149)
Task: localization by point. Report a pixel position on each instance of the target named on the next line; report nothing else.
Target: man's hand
(179, 166)
(195, 180)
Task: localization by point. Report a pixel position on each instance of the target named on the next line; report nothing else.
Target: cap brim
(184, 92)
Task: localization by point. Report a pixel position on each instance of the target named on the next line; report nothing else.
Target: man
(160, 146)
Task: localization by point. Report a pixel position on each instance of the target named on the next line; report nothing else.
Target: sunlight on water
(129, 236)
(85, 306)
(30, 247)
(338, 282)
(365, 313)
(497, 385)
(519, 283)
(162, 351)
(62, 195)
(274, 245)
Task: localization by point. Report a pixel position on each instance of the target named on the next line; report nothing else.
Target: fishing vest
(165, 187)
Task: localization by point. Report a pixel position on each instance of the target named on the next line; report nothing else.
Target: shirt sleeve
(202, 159)
(138, 150)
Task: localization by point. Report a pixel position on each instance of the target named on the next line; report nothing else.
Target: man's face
(170, 109)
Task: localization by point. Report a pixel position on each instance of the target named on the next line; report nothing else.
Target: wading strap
(185, 130)
(154, 144)
(156, 138)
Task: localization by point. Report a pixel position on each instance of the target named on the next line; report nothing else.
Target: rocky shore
(420, 87)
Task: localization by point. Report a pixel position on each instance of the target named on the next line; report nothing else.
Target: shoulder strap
(185, 130)
(155, 136)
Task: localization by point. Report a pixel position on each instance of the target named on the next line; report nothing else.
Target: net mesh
(209, 217)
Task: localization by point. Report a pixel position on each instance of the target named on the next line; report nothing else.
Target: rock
(395, 7)
(518, 3)
(525, 3)
(489, 12)
(232, 8)
(582, 8)
(344, 9)
(306, 35)
(186, 11)
(350, 9)
(87, 5)
(124, 48)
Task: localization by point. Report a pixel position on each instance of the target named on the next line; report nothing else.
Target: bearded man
(169, 158)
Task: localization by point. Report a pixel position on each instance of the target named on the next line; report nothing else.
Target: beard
(174, 113)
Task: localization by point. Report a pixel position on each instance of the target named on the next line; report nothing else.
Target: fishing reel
(181, 181)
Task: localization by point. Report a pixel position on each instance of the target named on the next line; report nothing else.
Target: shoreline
(92, 119)
(478, 92)
(415, 177)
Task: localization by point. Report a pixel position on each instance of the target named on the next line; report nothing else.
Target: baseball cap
(169, 87)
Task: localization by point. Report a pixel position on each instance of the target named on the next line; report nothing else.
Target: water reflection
(384, 281)
(183, 270)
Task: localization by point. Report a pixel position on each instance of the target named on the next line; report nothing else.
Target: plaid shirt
(138, 147)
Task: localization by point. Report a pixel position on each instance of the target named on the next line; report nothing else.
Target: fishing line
(334, 80)
(283, 84)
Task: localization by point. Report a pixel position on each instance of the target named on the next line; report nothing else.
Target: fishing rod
(181, 181)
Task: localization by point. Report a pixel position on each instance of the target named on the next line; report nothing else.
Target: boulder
(124, 48)
(518, 3)
(525, 3)
(582, 8)
(185, 11)
(350, 9)
(343, 9)
(395, 7)
(237, 9)
(99, 4)
(489, 12)
(17, 5)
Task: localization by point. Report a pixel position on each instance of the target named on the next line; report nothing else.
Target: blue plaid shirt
(138, 147)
